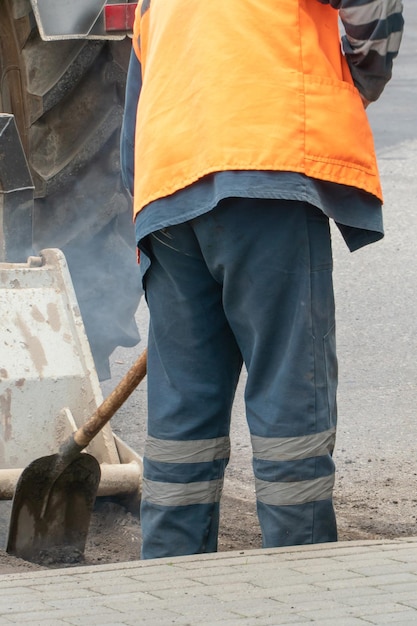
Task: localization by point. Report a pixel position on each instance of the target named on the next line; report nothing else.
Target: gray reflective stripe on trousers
(301, 492)
(197, 451)
(181, 494)
(293, 448)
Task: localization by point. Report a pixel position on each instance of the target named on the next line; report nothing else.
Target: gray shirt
(357, 214)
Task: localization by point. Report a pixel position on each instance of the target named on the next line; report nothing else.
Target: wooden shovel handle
(112, 403)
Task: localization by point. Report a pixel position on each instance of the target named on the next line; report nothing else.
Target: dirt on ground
(114, 534)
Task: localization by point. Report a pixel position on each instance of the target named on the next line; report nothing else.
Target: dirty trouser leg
(193, 369)
(275, 263)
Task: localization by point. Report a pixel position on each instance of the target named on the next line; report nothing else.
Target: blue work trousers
(248, 282)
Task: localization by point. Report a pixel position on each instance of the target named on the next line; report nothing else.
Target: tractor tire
(67, 98)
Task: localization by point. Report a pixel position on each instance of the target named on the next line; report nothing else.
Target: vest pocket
(338, 137)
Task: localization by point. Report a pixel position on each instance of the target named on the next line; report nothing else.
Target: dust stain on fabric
(6, 414)
(33, 346)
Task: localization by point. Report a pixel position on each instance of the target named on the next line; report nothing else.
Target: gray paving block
(97, 620)
(228, 589)
(21, 605)
(409, 617)
(55, 615)
(343, 621)
(17, 590)
(249, 607)
(264, 620)
(390, 567)
(54, 593)
(370, 581)
(153, 583)
(47, 622)
(122, 587)
(324, 614)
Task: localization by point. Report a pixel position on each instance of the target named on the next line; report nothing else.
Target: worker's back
(243, 85)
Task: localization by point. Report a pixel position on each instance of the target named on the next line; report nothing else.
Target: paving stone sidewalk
(349, 583)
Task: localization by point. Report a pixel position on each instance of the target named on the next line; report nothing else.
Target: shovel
(55, 495)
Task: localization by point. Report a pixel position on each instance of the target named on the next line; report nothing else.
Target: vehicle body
(63, 206)
(62, 76)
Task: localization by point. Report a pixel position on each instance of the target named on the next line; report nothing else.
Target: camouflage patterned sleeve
(373, 31)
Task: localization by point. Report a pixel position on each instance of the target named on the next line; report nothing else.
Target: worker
(248, 126)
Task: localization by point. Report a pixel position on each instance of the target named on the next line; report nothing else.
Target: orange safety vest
(245, 85)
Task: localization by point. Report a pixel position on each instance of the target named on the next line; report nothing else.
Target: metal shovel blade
(52, 508)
